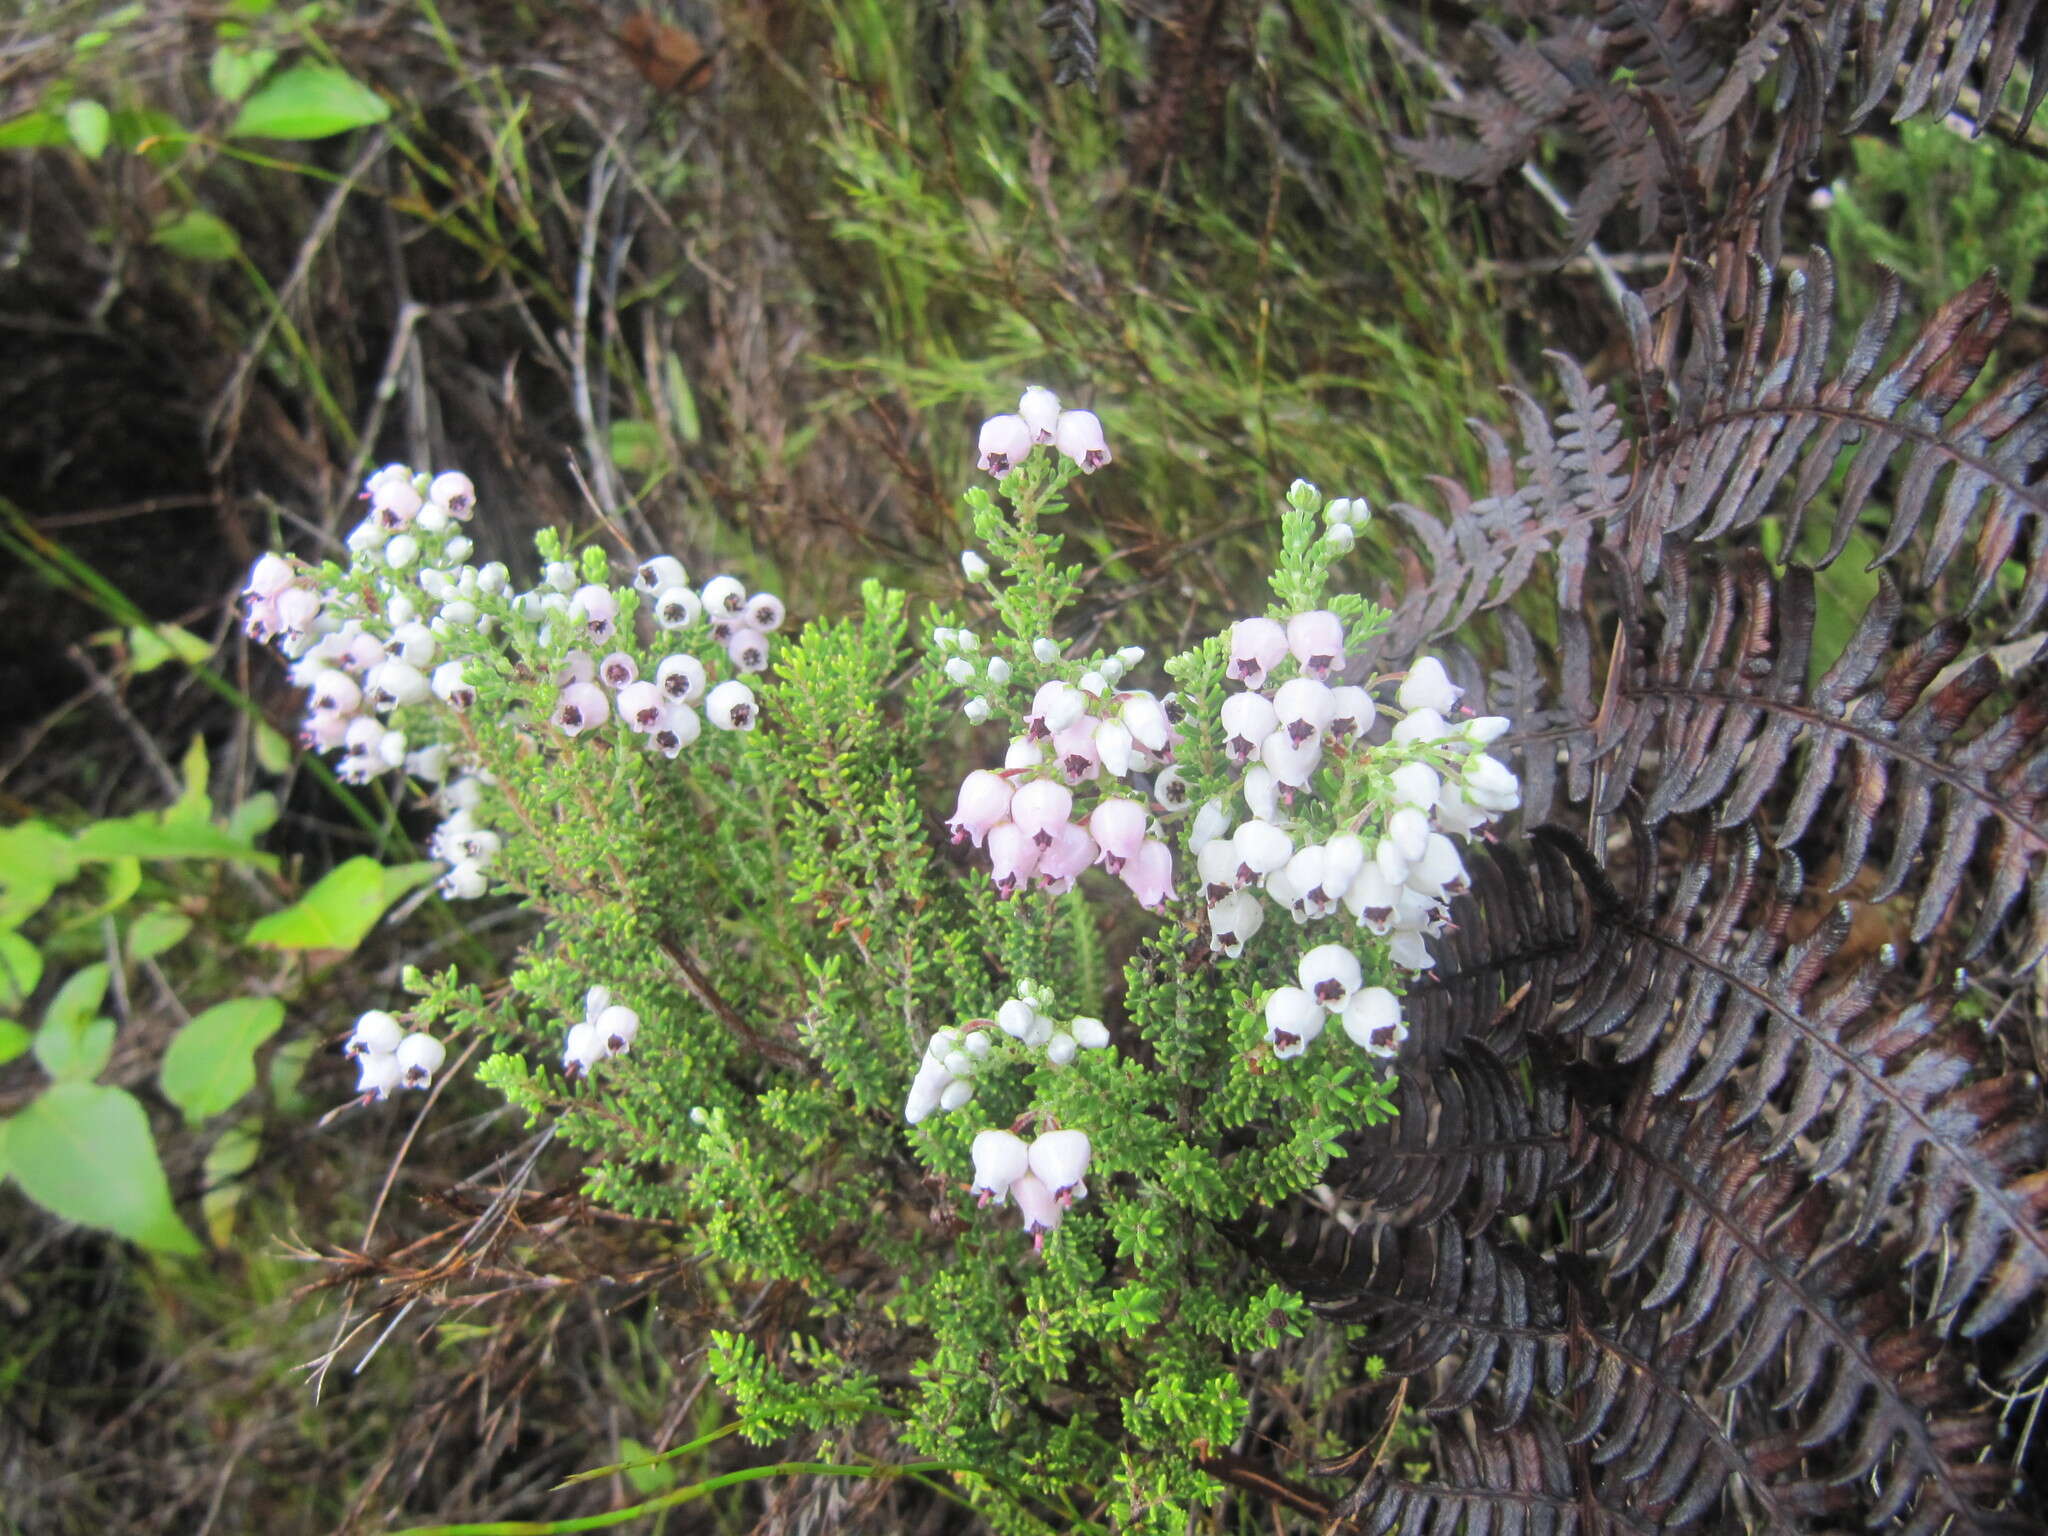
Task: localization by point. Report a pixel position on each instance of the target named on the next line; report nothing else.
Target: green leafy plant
(759, 962)
(82, 1148)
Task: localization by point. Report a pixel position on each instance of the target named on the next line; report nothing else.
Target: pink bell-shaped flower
(984, 801)
(1149, 874)
(1119, 829)
(1071, 851)
(581, 707)
(1078, 435)
(1004, 444)
(1040, 807)
(1248, 719)
(1256, 646)
(1040, 408)
(1317, 641)
(1012, 856)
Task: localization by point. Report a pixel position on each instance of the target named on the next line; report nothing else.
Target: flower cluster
(1043, 1176)
(608, 1029)
(387, 1058)
(954, 1057)
(1007, 441)
(396, 645)
(1340, 822)
(1092, 738)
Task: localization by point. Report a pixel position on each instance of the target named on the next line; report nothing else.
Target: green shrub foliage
(827, 1000)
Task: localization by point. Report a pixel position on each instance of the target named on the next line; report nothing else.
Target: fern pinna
(1717, 1197)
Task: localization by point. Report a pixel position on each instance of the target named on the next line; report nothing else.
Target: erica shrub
(958, 979)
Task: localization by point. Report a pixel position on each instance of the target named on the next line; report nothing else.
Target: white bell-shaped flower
(1256, 646)
(584, 1048)
(1144, 716)
(1293, 1019)
(1304, 707)
(1293, 761)
(1000, 1160)
(1439, 872)
(375, 1033)
(1372, 898)
(1317, 641)
(1407, 950)
(1233, 920)
(378, 1074)
(1345, 855)
(1261, 849)
(1330, 973)
(1035, 1203)
(1490, 784)
(1078, 435)
(1248, 719)
(1060, 1160)
(1262, 794)
(658, 574)
(731, 706)
(1004, 443)
(677, 607)
(1220, 868)
(1415, 784)
(616, 1027)
(1428, 686)
(1040, 408)
(1408, 830)
(1372, 1018)
(1211, 822)
(419, 1057)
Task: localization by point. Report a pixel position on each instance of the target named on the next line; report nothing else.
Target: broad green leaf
(147, 836)
(90, 126)
(341, 908)
(84, 1152)
(14, 1040)
(226, 1161)
(73, 1045)
(78, 999)
(76, 1055)
(21, 969)
(211, 1062)
(155, 931)
(33, 130)
(253, 817)
(273, 752)
(233, 71)
(192, 806)
(122, 878)
(195, 235)
(35, 859)
(308, 101)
